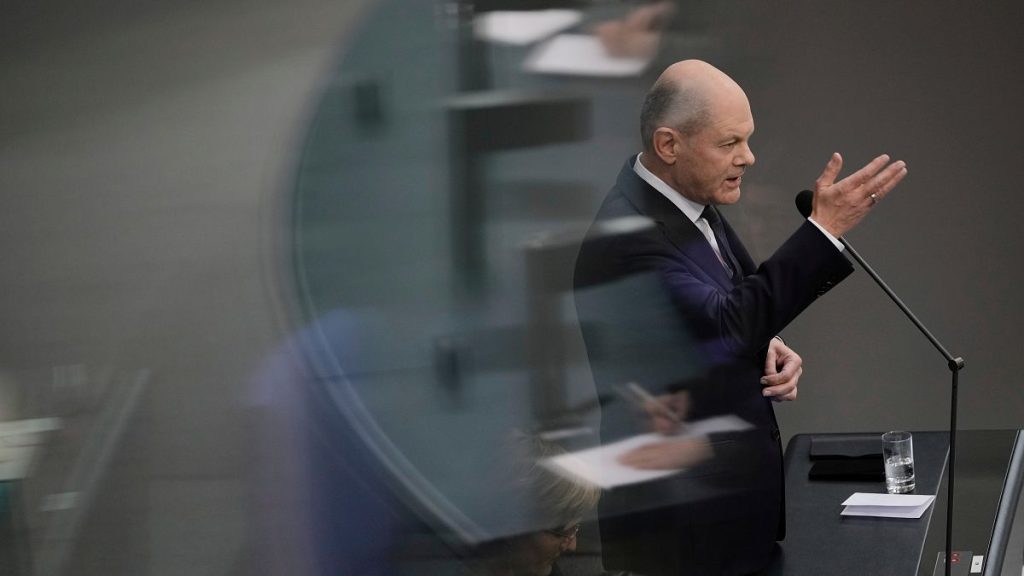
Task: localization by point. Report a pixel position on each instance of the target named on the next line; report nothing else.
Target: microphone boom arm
(804, 203)
(954, 363)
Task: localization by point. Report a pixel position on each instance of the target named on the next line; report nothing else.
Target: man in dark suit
(724, 515)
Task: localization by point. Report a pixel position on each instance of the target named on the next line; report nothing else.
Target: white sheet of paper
(887, 505)
(522, 28)
(600, 467)
(580, 55)
(30, 426)
(26, 432)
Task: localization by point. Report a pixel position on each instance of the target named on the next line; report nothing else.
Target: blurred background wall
(147, 161)
(142, 149)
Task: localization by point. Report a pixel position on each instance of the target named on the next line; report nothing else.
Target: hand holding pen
(666, 411)
(666, 414)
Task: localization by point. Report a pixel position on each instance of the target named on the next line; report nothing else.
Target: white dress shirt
(693, 210)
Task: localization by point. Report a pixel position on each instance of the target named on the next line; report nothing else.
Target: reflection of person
(326, 502)
(556, 502)
(696, 126)
(638, 33)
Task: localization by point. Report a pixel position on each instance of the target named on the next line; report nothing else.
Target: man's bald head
(681, 99)
(696, 125)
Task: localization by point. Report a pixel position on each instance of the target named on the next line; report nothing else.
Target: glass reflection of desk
(391, 176)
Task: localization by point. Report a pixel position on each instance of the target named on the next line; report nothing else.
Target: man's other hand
(782, 370)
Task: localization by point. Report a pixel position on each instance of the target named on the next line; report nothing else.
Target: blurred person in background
(638, 34)
(327, 503)
(552, 500)
(733, 34)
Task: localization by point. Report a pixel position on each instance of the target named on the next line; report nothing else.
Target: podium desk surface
(820, 541)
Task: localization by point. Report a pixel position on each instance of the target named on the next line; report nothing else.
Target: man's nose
(746, 157)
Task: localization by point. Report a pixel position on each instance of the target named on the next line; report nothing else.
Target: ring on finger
(874, 198)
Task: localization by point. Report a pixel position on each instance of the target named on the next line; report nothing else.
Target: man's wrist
(835, 241)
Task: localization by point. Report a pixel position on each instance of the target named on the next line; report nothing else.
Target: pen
(642, 398)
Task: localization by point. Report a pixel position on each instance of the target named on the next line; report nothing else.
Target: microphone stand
(955, 365)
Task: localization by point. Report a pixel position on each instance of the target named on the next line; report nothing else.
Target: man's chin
(728, 196)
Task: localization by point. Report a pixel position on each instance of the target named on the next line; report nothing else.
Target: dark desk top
(820, 541)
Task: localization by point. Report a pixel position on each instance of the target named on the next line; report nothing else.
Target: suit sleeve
(740, 323)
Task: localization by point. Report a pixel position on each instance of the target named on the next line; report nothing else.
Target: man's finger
(831, 171)
(770, 367)
(789, 375)
(779, 390)
(788, 397)
(776, 379)
(789, 370)
(887, 179)
(860, 177)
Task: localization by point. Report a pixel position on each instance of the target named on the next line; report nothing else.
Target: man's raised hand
(839, 206)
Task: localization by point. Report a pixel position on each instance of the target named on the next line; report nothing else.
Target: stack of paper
(600, 466)
(523, 28)
(887, 505)
(581, 55)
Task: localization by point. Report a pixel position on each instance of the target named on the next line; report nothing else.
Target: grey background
(147, 152)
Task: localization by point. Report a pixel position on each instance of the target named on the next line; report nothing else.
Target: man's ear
(666, 142)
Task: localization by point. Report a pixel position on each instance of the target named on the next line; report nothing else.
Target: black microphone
(805, 204)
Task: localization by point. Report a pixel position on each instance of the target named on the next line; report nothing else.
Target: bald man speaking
(725, 513)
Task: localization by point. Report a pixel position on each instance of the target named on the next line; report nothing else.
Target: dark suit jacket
(722, 517)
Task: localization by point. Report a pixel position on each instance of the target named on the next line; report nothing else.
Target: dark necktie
(732, 266)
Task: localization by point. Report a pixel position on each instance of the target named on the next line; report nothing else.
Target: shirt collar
(691, 209)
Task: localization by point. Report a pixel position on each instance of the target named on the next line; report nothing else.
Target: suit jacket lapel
(680, 231)
(738, 250)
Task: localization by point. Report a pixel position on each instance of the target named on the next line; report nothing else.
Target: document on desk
(521, 28)
(20, 432)
(887, 505)
(580, 55)
(600, 466)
